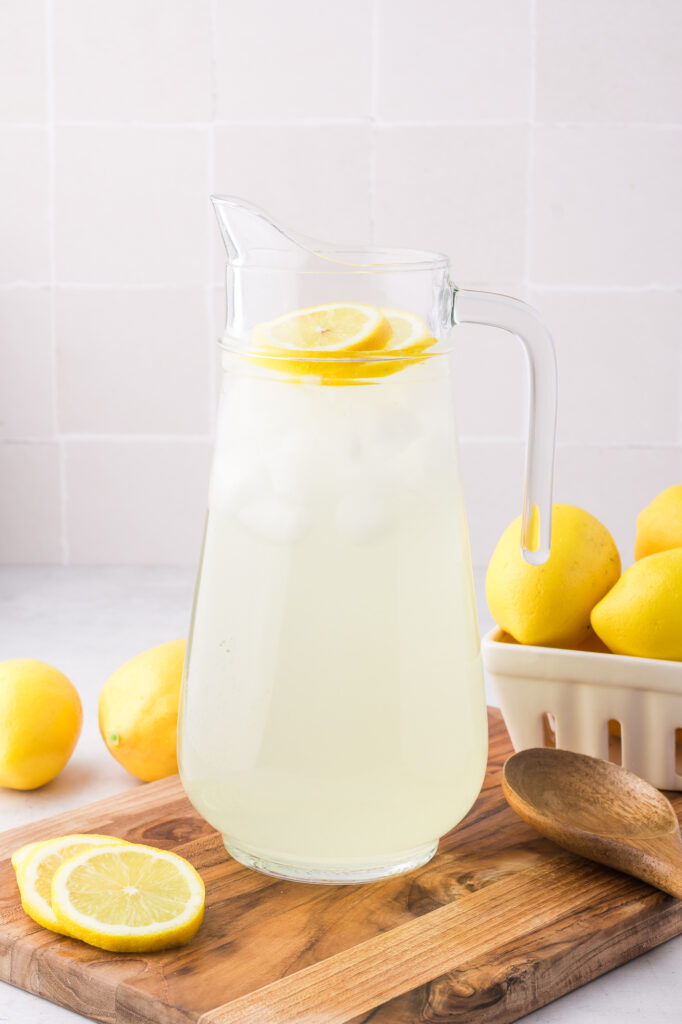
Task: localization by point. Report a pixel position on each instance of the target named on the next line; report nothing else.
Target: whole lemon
(550, 604)
(659, 525)
(642, 614)
(40, 722)
(138, 711)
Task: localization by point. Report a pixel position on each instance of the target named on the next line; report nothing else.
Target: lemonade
(333, 722)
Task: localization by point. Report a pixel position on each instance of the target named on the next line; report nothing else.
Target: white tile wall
(22, 60)
(445, 60)
(615, 482)
(603, 61)
(145, 354)
(30, 503)
(459, 189)
(147, 61)
(130, 204)
(606, 205)
(299, 59)
(619, 354)
(492, 475)
(24, 215)
(316, 176)
(26, 378)
(482, 353)
(135, 502)
(538, 142)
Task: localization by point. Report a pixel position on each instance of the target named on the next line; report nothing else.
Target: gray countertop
(87, 622)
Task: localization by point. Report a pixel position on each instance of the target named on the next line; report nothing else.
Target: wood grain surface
(499, 923)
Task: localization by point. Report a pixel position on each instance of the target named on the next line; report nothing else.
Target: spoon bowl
(598, 810)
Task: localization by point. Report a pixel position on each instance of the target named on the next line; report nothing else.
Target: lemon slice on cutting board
(37, 866)
(20, 856)
(334, 329)
(128, 898)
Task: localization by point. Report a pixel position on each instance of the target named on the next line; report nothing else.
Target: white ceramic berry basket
(581, 700)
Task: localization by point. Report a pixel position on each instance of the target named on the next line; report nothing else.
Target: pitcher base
(329, 874)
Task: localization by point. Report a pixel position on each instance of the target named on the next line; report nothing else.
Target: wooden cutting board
(499, 923)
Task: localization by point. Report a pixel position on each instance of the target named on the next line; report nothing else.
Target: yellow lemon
(642, 614)
(128, 898)
(40, 722)
(138, 711)
(37, 866)
(659, 525)
(550, 604)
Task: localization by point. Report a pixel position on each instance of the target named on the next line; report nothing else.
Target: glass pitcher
(333, 715)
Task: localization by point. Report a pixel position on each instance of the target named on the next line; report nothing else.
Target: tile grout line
(52, 264)
(316, 122)
(598, 289)
(202, 439)
(530, 152)
(132, 286)
(582, 445)
(126, 438)
(175, 287)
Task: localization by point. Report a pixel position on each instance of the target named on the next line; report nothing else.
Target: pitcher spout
(251, 236)
(272, 270)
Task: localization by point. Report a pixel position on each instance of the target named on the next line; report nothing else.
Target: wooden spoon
(599, 810)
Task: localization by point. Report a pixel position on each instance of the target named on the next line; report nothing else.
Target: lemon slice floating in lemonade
(329, 342)
(128, 898)
(331, 330)
(409, 336)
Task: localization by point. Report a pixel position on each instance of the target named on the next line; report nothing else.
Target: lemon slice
(409, 339)
(128, 898)
(410, 335)
(38, 865)
(20, 856)
(331, 330)
(329, 341)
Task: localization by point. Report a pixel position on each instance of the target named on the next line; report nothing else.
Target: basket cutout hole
(548, 729)
(615, 739)
(678, 751)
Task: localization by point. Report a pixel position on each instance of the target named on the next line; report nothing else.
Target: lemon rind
(20, 856)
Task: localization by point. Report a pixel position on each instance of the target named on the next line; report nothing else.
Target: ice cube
(387, 430)
(364, 514)
(295, 466)
(427, 463)
(235, 478)
(275, 519)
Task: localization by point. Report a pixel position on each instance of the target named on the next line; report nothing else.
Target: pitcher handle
(473, 307)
